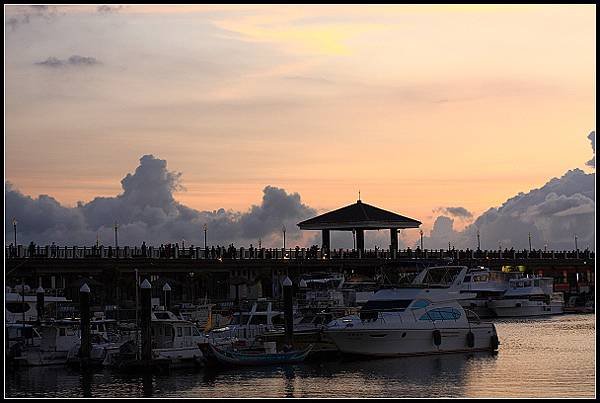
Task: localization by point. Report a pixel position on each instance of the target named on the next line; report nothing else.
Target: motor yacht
(423, 317)
(530, 296)
(488, 285)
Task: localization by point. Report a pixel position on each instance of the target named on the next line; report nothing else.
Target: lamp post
(478, 241)
(192, 285)
(205, 228)
(576, 248)
(116, 238)
(283, 229)
(15, 228)
(421, 233)
(529, 235)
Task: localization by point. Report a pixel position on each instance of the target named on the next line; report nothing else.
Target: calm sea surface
(541, 357)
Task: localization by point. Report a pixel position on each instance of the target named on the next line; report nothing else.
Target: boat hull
(232, 358)
(411, 342)
(524, 307)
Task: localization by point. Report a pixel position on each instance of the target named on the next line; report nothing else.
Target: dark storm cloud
(147, 211)
(74, 60)
(553, 214)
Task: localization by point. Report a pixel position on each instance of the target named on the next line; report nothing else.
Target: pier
(221, 273)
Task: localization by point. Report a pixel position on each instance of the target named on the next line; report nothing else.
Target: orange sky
(419, 107)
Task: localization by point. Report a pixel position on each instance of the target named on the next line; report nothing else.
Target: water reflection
(545, 357)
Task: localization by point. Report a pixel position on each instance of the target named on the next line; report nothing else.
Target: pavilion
(359, 217)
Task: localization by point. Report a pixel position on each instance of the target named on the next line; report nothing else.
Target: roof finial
(358, 194)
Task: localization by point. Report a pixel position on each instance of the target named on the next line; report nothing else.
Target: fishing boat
(231, 357)
(421, 318)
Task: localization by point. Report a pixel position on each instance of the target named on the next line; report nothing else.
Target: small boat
(217, 355)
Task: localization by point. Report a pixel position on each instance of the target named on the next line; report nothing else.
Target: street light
(15, 228)
(421, 232)
(576, 248)
(283, 229)
(478, 241)
(205, 228)
(116, 238)
(529, 234)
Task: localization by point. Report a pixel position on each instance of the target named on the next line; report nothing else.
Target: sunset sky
(419, 107)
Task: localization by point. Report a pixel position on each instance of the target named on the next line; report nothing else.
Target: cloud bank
(146, 211)
(553, 215)
(74, 60)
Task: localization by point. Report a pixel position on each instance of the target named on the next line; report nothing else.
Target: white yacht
(531, 296)
(19, 307)
(176, 340)
(488, 285)
(50, 346)
(246, 326)
(421, 318)
(322, 290)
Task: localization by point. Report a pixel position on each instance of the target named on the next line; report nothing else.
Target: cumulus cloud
(74, 60)
(22, 15)
(592, 137)
(459, 212)
(553, 215)
(106, 9)
(147, 211)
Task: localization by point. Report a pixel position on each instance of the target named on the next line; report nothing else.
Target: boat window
(420, 303)
(161, 315)
(179, 331)
(17, 307)
(441, 314)
(188, 331)
(62, 331)
(390, 305)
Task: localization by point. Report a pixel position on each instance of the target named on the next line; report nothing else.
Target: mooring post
(167, 291)
(84, 312)
(146, 318)
(288, 310)
(40, 304)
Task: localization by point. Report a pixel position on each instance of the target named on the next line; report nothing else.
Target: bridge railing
(314, 253)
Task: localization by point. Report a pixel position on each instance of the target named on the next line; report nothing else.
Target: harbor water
(538, 357)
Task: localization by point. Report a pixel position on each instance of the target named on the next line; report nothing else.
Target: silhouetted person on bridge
(144, 248)
(31, 249)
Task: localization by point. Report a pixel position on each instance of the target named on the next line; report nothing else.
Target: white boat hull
(36, 357)
(180, 357)
(409, 342)
(525, 307)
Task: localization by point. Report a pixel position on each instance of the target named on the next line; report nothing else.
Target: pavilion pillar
(393, 239)
(360, 240)
(326, 244)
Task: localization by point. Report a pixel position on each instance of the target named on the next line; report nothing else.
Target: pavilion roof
(359, 215)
